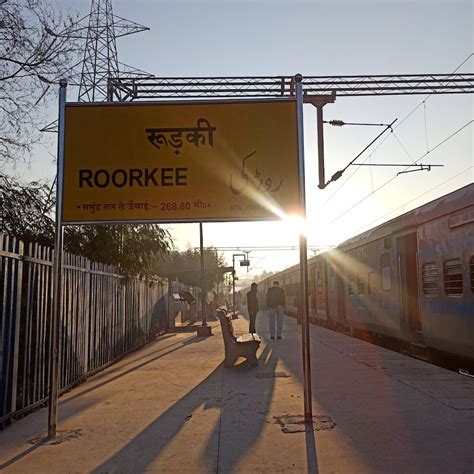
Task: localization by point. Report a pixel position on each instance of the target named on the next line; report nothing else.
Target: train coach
(408, 283)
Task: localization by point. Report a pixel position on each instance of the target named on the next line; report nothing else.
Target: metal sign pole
(203, 282)
(233, 286)
(57, 271)
(308, 409)
(204, 330)
(322, 178)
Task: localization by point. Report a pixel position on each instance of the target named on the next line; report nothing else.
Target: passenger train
(407, 284)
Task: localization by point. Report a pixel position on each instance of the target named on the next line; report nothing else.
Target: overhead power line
(369, 224)
(268, 248)
(394, 177)
(339, 173)
(391, 164)
(414, 167)
(399, 124)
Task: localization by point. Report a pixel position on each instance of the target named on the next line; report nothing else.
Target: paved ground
(172, 407)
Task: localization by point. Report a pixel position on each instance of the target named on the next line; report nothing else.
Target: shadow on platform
(140, 452)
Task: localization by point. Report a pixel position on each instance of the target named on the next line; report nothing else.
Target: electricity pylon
(100, 30)
(100, 60)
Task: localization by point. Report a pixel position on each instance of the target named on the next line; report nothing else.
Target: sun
(294, 226)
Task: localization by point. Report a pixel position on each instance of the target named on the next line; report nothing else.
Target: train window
(351, 285)
(360, 285)
(387, 243)
(372, 284)
(333, 280)
(452, 271)
(385, 271)
(429, 275)
(471, 265)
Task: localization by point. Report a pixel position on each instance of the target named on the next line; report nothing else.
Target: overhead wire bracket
(339, 173)
(341, 123)
(420, 167)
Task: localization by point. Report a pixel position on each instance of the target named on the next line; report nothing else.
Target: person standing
(252, 306)
(276, 302)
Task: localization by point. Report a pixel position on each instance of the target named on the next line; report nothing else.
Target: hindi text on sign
(162, 137)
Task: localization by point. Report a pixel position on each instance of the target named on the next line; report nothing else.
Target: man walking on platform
(252, 306)
(276, 303)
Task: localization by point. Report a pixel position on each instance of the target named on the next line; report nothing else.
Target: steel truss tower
(100, 30)
(100, 59)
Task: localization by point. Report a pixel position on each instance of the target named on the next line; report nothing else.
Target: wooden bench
(245, 345)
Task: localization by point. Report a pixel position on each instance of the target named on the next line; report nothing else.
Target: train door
(321, 288)
(312, 289)
(331, 291)
(341, 298)
(408, 281)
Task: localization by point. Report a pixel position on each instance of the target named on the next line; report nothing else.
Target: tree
(135, 248)
(186, 266)
(33, 57)
(27, 213)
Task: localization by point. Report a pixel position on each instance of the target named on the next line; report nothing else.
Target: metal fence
(104, 315)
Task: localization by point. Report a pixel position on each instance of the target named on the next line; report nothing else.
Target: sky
(266, 37)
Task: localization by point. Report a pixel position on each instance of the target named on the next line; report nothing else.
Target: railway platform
(173, 407)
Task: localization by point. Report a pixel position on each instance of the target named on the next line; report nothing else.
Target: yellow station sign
(181, 162)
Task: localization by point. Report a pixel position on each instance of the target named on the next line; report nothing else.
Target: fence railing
(104, 315)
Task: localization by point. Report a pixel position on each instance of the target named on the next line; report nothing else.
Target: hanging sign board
(178, 162)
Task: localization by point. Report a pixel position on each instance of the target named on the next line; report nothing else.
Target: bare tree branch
(32, 58)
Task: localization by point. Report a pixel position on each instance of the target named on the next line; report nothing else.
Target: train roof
(447, 204)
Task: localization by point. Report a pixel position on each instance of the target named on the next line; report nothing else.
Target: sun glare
(295, 226)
